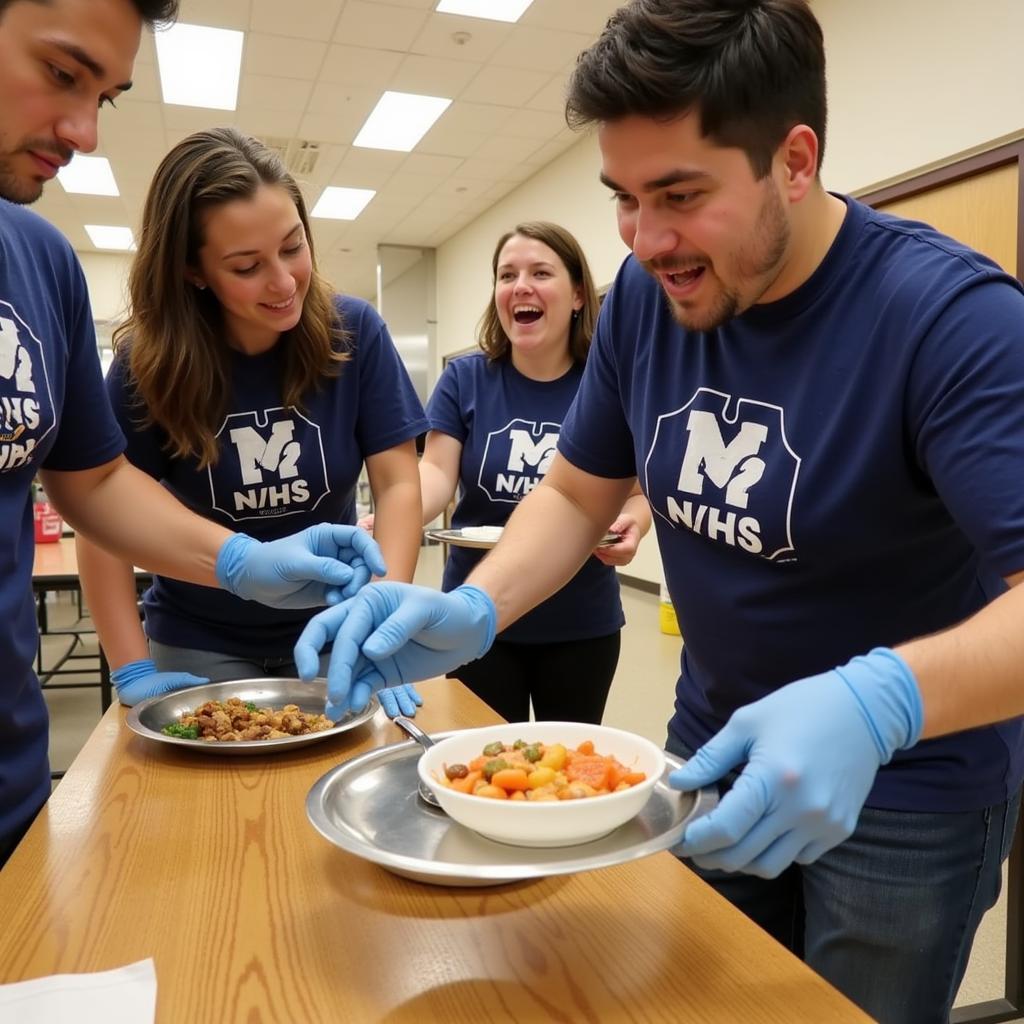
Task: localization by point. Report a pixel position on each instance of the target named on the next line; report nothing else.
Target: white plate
(460, 539)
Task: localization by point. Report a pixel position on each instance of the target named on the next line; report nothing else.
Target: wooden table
(209, 865)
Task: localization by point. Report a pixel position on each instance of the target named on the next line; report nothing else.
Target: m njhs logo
(272, 464)
(26, 407)
(736, 479)
(516, 457)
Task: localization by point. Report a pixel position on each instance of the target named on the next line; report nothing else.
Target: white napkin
(125, 995)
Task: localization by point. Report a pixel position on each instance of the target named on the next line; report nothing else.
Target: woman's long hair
(178, 360)
(491, 335)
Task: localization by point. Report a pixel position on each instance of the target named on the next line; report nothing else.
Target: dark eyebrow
(93, 67)
(674, 177)
(256, 252)
(536, 263)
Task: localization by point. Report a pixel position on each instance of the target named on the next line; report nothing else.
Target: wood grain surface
(209, 865)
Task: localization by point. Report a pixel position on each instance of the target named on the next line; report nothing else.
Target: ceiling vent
(300, 156)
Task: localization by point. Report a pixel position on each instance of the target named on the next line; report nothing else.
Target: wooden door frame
(1011, 1006)
(958, 170)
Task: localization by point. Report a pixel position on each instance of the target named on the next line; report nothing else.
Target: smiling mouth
(526, 314)
(279, 307)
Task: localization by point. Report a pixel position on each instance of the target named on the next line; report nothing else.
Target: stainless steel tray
(457, 539)
(149, 717)
(369, 807)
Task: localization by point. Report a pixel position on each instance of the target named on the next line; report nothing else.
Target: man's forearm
(972, 674)
(546, 540)
(132, 516)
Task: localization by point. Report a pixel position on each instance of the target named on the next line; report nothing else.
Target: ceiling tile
(551, 96)
(431, 166)
(534, 124)
(264, 122)
(444, 35)
(478, 117)
(307, 19)
(378, 25)
(411, 185)
(145, 86)
(360, 66)
(486, 170)
(542, 49)
(282, 56)
(570, 15)
(501, 147)
(194, 119)
(450, 140)
(504, 87)
(289, 94)
(433, 76)
(372, 166)
(216, 13)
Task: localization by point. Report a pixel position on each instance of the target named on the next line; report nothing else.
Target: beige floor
(640, 700)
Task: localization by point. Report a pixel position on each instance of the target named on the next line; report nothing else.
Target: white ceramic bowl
(546, 823)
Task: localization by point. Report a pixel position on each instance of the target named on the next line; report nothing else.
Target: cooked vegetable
(494, 749)
(456, 771)
(185, 732)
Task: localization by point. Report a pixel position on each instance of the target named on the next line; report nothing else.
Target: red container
(47, 521)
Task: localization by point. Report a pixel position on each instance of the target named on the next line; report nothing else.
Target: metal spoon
(407, 725)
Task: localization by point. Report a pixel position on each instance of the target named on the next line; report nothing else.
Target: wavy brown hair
(173, 339)
(491, 335)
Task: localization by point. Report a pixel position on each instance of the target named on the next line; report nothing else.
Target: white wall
(107, 275)
(910, 82)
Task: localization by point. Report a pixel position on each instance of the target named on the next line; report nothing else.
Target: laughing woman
(255, 395)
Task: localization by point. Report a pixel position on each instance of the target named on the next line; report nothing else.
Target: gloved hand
(812, 750)
(321, 565)
(137, 680)
(392, 633)
(400, 700)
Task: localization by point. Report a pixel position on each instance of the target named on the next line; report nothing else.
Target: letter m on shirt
(708, 454)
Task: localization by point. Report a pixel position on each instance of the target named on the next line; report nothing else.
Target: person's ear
(798, 159)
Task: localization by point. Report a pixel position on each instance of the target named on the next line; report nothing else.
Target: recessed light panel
(199, 66)
(89, 176)
(494, 10)
(106, 236)
(400, 120)
(342, 203)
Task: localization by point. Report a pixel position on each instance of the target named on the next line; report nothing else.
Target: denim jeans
(220, 668)
(888, 916)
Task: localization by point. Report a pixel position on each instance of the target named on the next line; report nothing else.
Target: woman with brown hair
(254, 394)
(494, 423)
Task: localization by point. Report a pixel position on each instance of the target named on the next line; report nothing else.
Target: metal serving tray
(149, 717)
(459, 540)
(369, 806)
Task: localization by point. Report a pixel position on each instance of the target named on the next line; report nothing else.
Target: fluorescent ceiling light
(400, 120)
(199, 66)
(342, 203)
(495, 10)
(89, 175)
(104, 236)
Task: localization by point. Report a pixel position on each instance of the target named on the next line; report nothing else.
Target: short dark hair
(752, 69)
(491, 335)
(151, 11)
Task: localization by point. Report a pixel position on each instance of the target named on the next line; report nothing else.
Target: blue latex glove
(400, 700)
(321, 565)
(137, 680)
(812, 750)
(392, 633)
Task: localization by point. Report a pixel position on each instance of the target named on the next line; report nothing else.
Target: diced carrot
(493, 792)
(465, 785)
(511, 779)
(592, 770)
(632, 778)
(586, 747)
(518, 795)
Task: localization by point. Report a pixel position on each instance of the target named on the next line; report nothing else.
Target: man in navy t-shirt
(59, 63)
(825, 409)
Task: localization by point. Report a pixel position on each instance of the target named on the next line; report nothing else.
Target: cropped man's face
(60, 61)
(714, 237)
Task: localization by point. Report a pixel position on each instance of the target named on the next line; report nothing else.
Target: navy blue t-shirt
(53, 415)
(828, 473)
(508, 425)
(279, 470)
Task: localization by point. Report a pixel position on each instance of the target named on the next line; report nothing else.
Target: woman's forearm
(437, 491)
(108, 584)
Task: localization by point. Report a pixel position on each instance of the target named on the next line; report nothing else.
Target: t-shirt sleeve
(88, 435)
(444, 409)
(145, 445)
(595, 435)
(390, 411)
(966, 408)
